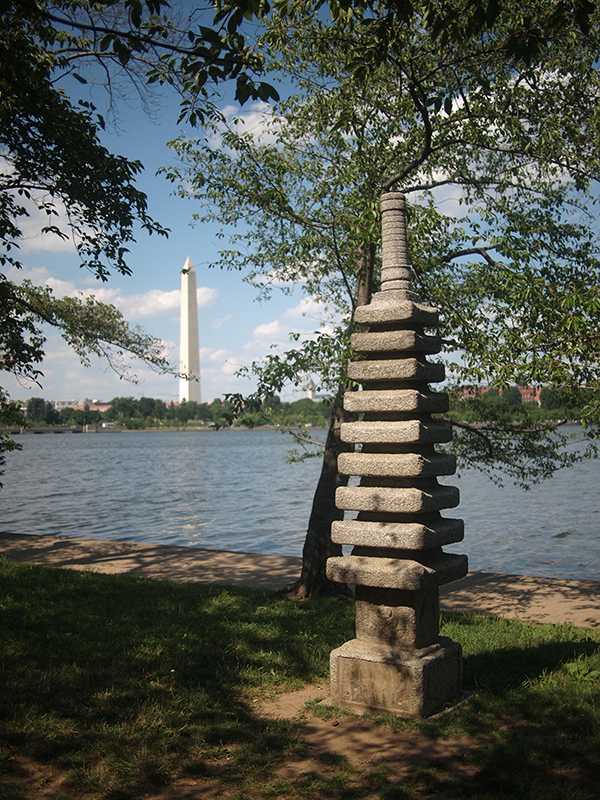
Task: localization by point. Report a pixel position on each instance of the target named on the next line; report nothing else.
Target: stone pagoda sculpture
(398, 662)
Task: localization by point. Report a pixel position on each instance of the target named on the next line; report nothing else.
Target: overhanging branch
(482, 428)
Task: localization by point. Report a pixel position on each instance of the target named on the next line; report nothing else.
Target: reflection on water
(226, 489)
(233, 490)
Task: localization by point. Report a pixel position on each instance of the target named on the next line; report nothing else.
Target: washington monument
(189, 352)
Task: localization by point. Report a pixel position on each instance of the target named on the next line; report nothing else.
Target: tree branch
(425, 150)
(133, 37)
(473, 251)
(480, 429)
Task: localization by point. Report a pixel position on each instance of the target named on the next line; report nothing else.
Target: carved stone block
(415, 683)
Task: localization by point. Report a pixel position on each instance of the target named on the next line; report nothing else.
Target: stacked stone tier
(393, 369)
(433, 569)
(396, 500)
(429, 532)
(410, 431)
(396, 400)
(400, 465)
(395, 341)
(393, 308)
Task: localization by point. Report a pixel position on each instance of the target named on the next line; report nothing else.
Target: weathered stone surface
(411, 465)
(397, 618)
(393, 241)
(398, 663)
(402, 432)
(397, 284)
(395, 573)
(371, 677)
(391, 341)
(401, 535)
(392, 306)
(403, 400)
(398, 500)
(395, 274)
(397, 369)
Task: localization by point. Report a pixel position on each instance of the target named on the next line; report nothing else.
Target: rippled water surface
(233, 490)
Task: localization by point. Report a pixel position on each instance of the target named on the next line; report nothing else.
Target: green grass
(126, 685)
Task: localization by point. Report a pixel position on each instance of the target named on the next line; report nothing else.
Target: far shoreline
(55, 429)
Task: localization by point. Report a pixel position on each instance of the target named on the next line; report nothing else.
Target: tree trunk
(318, 547)
(364, 284)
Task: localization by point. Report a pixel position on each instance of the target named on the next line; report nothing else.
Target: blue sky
(234, 328)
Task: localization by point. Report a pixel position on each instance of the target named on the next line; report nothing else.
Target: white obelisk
(188, 342)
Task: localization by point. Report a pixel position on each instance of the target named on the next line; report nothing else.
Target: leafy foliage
(512, 441)
(88, 326)
(53, 165)
(507, 144)
(10, 415)
(52, 156)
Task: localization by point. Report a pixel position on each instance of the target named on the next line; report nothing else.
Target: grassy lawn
(126, 686)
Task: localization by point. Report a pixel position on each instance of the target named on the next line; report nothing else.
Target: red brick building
(528, 393)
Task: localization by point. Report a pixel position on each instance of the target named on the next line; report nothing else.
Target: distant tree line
(509, 402)
(147, 412)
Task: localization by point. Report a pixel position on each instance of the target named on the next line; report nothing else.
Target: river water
(233, 490)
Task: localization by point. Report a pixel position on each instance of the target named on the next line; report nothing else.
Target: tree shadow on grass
(127, 682)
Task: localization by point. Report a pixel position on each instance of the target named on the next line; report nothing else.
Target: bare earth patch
(362, 742)
(37, 781)
(349, 743)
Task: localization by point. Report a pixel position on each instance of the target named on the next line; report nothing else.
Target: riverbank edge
(532, 598)
(163, 429)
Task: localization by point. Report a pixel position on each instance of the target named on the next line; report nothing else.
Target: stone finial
(396, 271)
(397, 662)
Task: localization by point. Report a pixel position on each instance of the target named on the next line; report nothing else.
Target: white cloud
(278, 278)
(308, 308)
(268, 330)
(256, 118)
(31, 226)
(307, 318)
(217, 372)
(230, 367)
(219, 322)
(220, 356)
(34, 241)
(153, 303)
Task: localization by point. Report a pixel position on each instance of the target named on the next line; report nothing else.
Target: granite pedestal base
(366, 676)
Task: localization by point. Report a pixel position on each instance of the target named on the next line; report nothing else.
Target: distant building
(475, 392)
(529, 394)
(96, 405)
(60, 404)
(79, 405)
